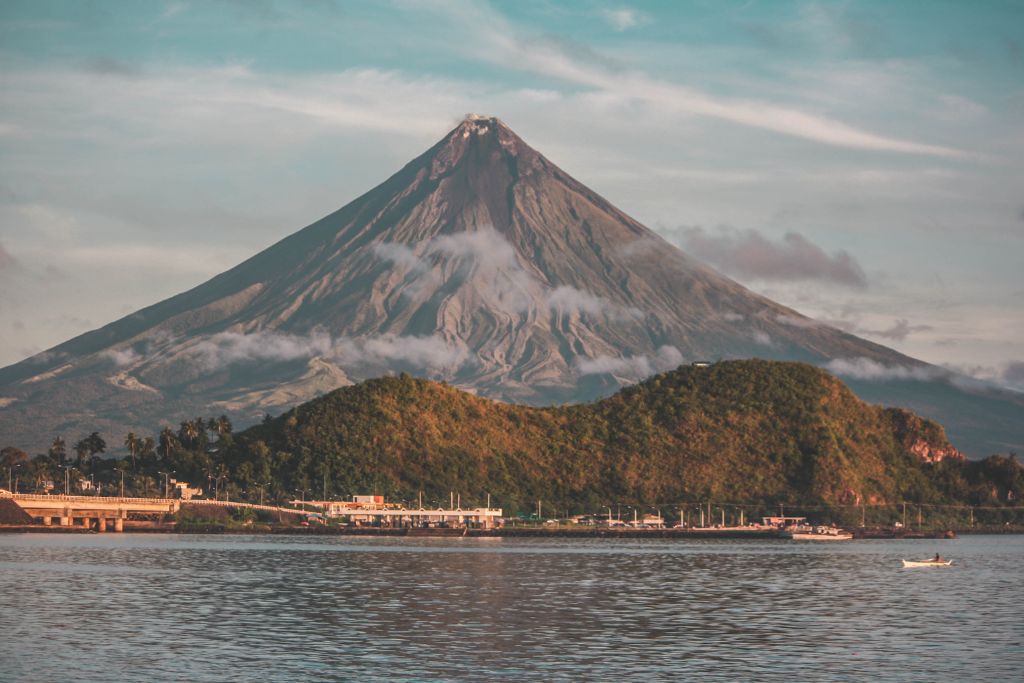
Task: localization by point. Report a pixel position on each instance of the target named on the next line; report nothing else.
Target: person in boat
(937, 558)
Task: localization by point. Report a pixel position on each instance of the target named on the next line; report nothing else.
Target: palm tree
(222, 425)
(81, 450)
(188, 432)
(132, 442)
(147, 449)
(168, 441)
(58, 450)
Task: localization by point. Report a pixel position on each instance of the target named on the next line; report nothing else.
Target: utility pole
(904, 515)
(167, 482)
(118, 469)
(67, 479)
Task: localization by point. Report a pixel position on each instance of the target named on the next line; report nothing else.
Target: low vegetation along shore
(750, 437)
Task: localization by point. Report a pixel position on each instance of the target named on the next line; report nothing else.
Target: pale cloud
(954, 108)
(492, 263)
(419, 270)
(121, 357)
(223, 105)
(495, 263)
(1013, 374)
(749, 254)
(185, 259)
(631, 367)
(7, 262)
(427, 352)
(797, 321)
(500, 42)
(173, 9)
(568, 300)
(871, 370)
(898, 331)
(399, 254)
(622, 18)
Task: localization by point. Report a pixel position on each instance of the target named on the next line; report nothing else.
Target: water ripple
(238, 608)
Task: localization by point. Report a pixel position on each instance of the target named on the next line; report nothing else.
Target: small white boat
(927, 563)
(820, 533)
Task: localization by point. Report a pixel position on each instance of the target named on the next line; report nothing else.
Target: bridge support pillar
(86, 523)
(65, 521)
(101, 524)
(47, 521)
(119, 524)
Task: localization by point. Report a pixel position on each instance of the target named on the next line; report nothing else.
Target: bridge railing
(94, 499)
(117, 500)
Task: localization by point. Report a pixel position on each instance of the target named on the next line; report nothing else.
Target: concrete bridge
(100, 511)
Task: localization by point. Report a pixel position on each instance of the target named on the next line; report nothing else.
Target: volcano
(480, 263)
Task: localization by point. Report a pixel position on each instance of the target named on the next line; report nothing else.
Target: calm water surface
(118, 607)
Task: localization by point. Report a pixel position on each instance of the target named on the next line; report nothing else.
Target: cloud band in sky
(749, 254)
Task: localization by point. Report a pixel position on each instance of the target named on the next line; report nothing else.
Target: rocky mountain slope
(480, 263)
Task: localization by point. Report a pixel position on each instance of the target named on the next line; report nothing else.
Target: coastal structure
(101, 512)
(375, 511)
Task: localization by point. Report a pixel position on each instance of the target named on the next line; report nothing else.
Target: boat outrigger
(933, 562)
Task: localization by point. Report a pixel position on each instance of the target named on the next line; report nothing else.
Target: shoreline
(506, 532)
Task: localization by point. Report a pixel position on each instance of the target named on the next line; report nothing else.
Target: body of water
(123, 607)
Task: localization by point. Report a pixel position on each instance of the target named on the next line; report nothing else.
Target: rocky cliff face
(480, 263)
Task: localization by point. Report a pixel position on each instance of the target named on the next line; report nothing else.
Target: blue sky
(146, 146)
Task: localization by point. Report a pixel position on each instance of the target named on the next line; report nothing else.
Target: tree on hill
(88, 448)
(188, 433)
(168, 442)
(221, 425)
(12, 456)
(147, 449)
(58, 450)
(131, 442)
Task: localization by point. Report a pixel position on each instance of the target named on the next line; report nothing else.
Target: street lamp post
(67, 479)
(118, 469)
(16, 479)
(167, 482)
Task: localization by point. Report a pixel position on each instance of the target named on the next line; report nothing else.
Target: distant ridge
(741, 431)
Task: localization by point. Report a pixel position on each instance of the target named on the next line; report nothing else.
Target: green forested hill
(745, 431)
